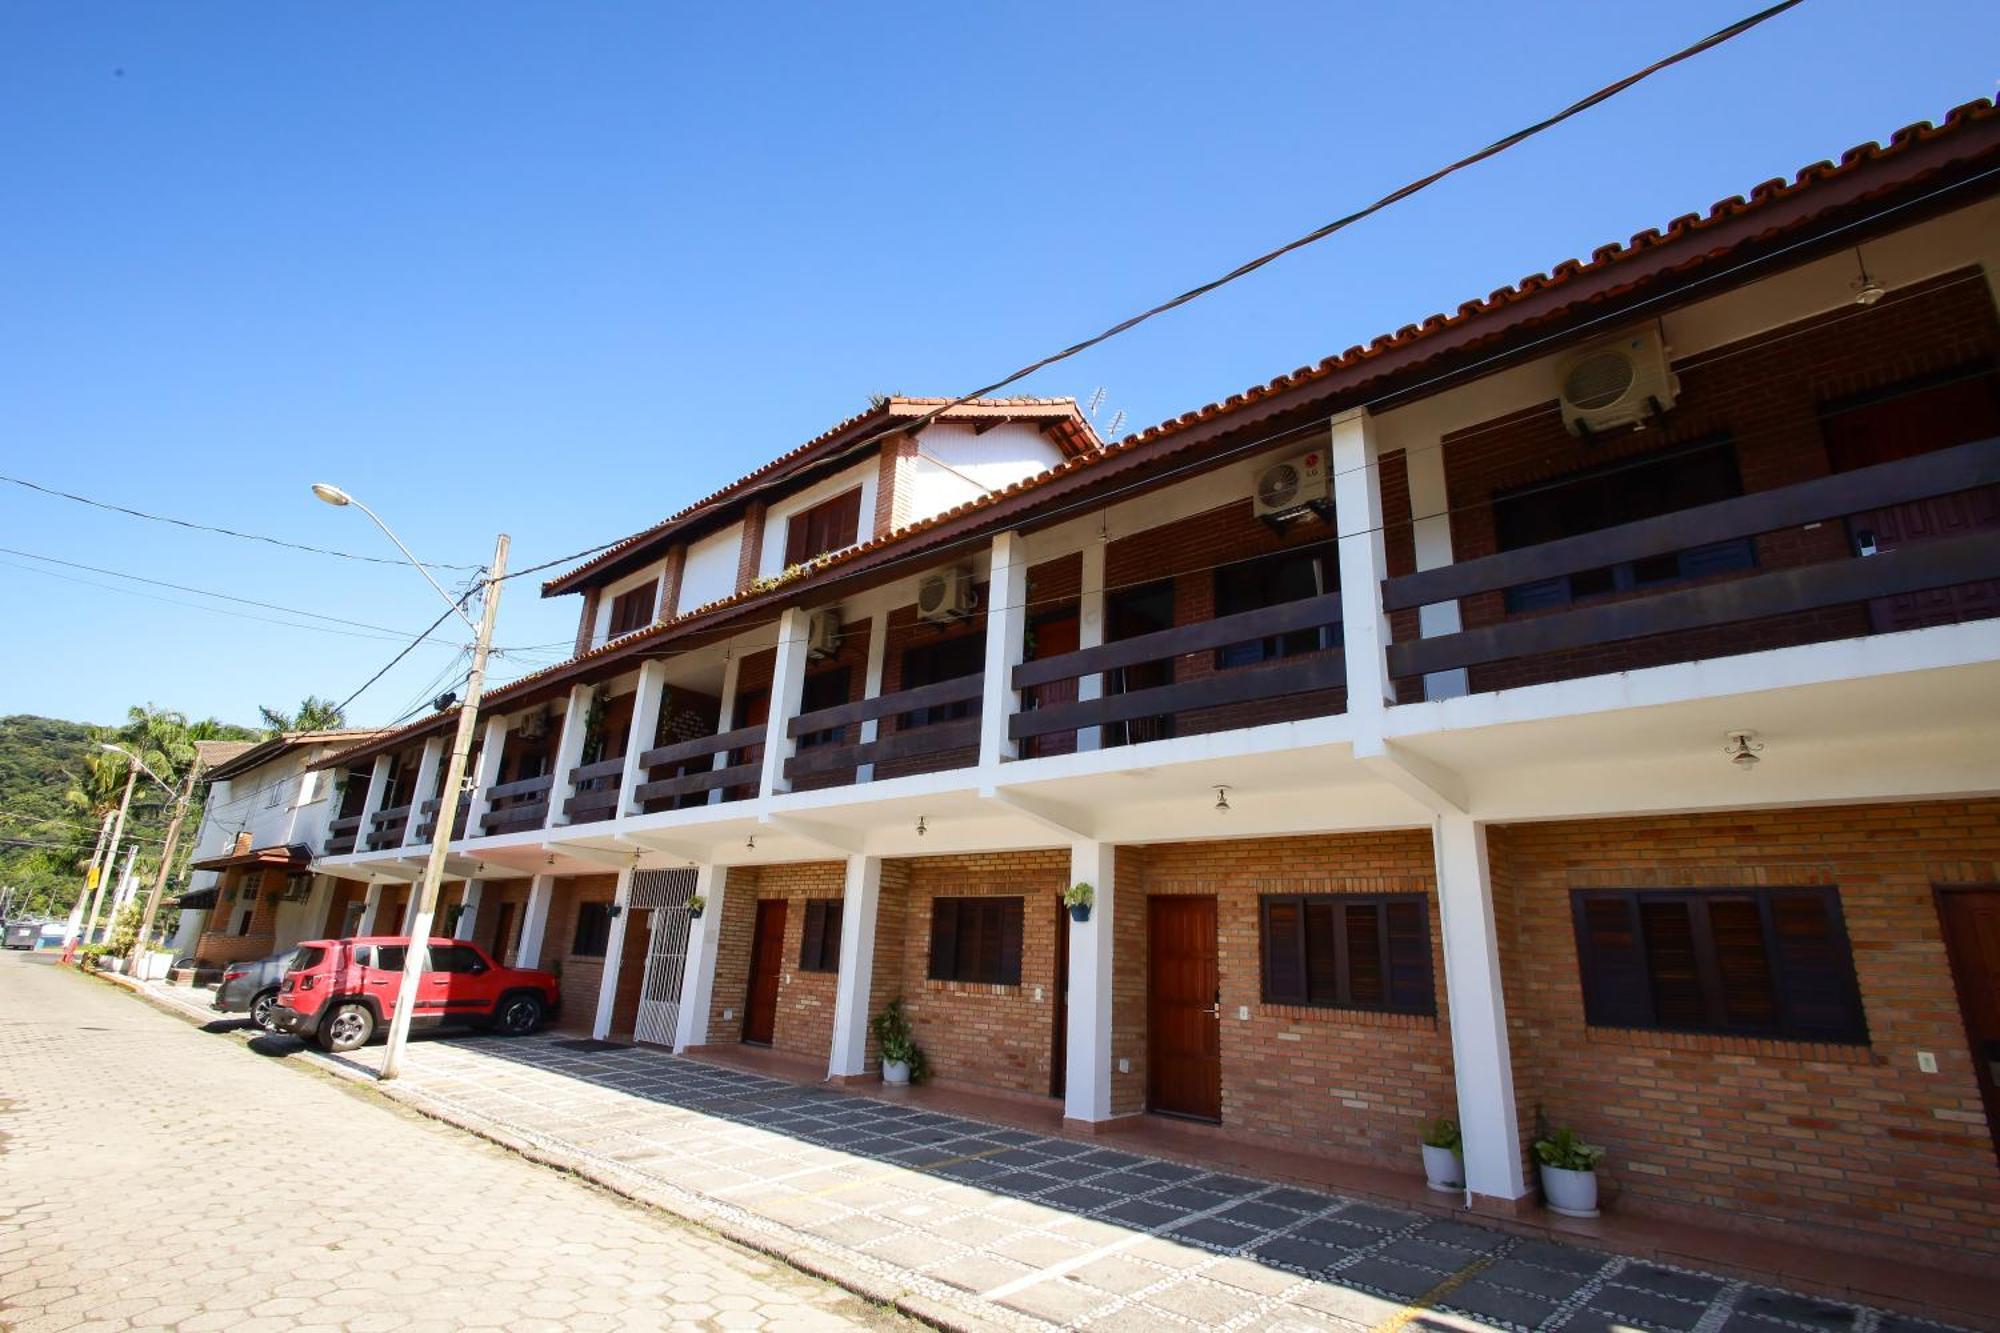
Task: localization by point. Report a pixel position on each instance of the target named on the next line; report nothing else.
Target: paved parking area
(1016, 1228)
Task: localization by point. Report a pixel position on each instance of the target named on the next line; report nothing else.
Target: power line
(209, 527)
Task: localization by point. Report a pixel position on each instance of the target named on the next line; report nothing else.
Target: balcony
(685, 773)
(918, 739)
(514, 806)
(341, 835)
(386, 828)
(597, 789)
(428, 816)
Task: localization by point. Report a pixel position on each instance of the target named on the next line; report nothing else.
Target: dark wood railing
(428, 818)
(341, 835)
(596, 791)
(905, 742)
(387, 828)
(1940, 563)
(1299, 674)
(512, 806)
(692, 762)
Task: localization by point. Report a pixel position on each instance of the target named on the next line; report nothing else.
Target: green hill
(40, 758)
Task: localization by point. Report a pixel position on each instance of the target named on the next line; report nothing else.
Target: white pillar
(468, 919)
(1006, 617)
(492, 749)
(711, 882)
(1479, 1044)
(725, 717)
(535, 920)
(645, 725)
(1357, 503)
(372, 803)
(371, 903)
(788, 683)
(427, 781)
(569, 753)
(1090, 634)
(1087, 1079)
(614, 954)
(857, 967)
(1430, 512)
(878, 652)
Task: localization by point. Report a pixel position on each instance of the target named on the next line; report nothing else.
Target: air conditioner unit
(535, 726)
(1296, 487)
(1625, 382)
(823, 634)
(946, 596)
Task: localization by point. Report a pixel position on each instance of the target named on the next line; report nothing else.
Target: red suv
(339, 992)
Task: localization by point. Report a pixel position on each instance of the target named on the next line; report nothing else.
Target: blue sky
(559, 269)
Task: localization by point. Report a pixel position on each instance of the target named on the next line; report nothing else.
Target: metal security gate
(663, 893)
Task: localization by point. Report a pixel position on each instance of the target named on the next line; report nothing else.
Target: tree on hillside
(314, 714)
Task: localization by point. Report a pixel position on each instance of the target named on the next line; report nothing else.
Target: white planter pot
(1571, 1193)
(896, 1072)
(1444, 1169)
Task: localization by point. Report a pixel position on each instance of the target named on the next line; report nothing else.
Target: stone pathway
(1009, 1227)
(152, 1176)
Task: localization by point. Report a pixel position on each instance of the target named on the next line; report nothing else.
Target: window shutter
(843, 521)
(1615, 993)
(1009, 971)
(1742, 963)
(1669, 937)
(1410, 958)
(829, 944)
(944, 938)
(1363, 922)
(1284, 951)
(1822, 997)
(1322, 968)
(798, 539)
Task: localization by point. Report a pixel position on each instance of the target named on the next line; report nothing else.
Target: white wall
(710, 572)
(954, 465)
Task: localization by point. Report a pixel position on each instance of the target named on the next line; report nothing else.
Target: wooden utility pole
(166, 867)
(111, 857)
(89, 883)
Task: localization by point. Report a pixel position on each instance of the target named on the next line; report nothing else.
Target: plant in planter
(695, 903)
(1078, 897)
(902, 1059)
(1569, 1173)
(1444, 1167)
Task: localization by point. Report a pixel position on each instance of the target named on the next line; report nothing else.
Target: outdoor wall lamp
(1743, 749)
(922, 828)
(1222, 806)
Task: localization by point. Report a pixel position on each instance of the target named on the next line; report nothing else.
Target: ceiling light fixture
(1222, 806)
(1867, 291)
(752, 843)
(922, 828)
(1743, 749)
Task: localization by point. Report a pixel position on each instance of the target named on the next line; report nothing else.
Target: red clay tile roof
(1967, 139)
(1064, 420)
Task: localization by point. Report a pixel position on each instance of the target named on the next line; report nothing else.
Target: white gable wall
(954, 465)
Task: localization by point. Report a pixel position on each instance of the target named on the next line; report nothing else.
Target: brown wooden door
(501, 937)
(1059, 1039)
(1054, 637)
(1183, 997)
(767, 962)
(1972, 940)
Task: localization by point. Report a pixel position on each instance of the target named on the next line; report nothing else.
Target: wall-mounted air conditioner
(823, 634)
(946, 595)
(1294, 488)
(1625, 382)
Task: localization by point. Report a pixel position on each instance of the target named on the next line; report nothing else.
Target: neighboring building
(253, 890)
(1576, 709)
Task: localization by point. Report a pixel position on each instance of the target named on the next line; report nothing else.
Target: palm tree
(314, 714)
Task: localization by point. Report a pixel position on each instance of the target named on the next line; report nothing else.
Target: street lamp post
(117, 832)
(166, 866)
(417, 955)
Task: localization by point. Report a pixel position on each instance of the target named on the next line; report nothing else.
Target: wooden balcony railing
(1943, 562)
(387, 828)
(341, 835)
(1294, 674)
(689, 767)
(836, 753)
(596, 795)
(428, 818)
(512, 806)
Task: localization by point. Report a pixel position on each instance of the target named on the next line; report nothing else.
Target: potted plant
(695, 903)
(902, 1059)
(1444, 1167)
(1078, 897)
(1569, 1173)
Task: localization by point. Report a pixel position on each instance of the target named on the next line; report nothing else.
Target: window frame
(920, 665)
(819, 935)
(966, 962)
(640, 604)
(1324, 559)
(1342, 960)
(816, 530)
(594, 913)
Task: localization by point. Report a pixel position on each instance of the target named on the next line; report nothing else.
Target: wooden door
(767, 963)
(1972, 941)
(1183, 1008)
(1054, 637)
(1059, 1039)
(1128, 614)
(501, 936)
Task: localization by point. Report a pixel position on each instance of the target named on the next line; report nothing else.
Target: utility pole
(166, 867)
(89, 883)
(117, 832)
(417, 956)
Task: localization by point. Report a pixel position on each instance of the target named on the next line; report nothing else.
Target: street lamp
(418, 954)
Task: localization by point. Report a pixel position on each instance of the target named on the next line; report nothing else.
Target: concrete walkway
(985, 1225)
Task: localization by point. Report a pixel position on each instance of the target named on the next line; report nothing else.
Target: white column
(535, 920)
(1357, 503)
(725, 717)
(711, 882)
(1090, 634)
(1087, 1080)
(1430, 512)
(788, 683)
(492, 749)
(371, 903)
(1478, 1007)
(569, 753)
(427, 780)
(468, 920)
(371, 804)
(645, 725)
(1006, 617)
(878, 652)
(614, 954)
(857, 967)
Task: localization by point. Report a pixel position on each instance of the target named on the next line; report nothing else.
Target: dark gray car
(252, 988)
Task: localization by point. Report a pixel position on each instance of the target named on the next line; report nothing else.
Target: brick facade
(804, 1021)
(895, 478)
(751, 552)
(580, 974)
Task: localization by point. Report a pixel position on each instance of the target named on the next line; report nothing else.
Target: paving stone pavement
(154, 1177)
(1016, 1228)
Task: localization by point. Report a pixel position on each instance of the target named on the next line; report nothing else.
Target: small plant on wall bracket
(1079, 897)
(695, 903)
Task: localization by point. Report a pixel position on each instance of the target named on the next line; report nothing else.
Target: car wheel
(518, 1015)
(347, 1028)
(260, 1010)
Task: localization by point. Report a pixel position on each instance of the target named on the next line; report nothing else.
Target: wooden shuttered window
(632, 610)
(976, 940)
(1349, 951)
(831, 525)
(1739, 962)
(819, 942)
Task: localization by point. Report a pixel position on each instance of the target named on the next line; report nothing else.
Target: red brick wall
(993, 1036)
(804, 1023)
(1765, 393)
(905, 632)
(894, 480)
(581, 975)
(1344, 1083)
(885, 981)
(752, 549)
(1843, 1139)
